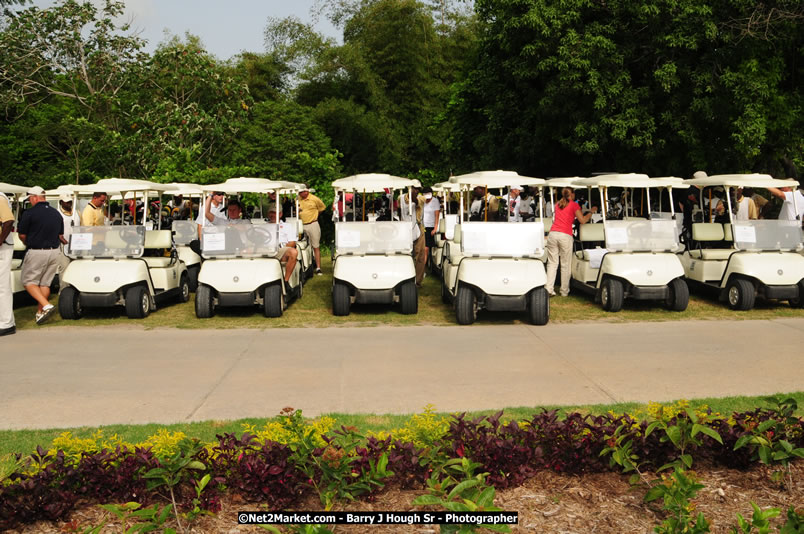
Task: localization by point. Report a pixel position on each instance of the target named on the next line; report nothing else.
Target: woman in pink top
(559, 240)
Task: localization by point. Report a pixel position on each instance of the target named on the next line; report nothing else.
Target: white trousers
(559, 250)
(6, 295)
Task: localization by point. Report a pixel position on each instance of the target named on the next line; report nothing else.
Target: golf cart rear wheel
(184, 288)
(798, 302)
(138, 302)
(539, 306)
(444, 292)
(273, 301)
(465, 306)
(741, 294)
(70, 304)
(203, 302)
(611, 295)
(679, 296)
(409, 298)
(192, 277)
(341, 299)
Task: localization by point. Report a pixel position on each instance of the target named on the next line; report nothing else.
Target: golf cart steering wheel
(259, 238)
(130, 236)
(385, 232)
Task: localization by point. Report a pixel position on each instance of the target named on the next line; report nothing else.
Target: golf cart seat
(591, 233)
(720, 254)
(589, 254)
(158, 240)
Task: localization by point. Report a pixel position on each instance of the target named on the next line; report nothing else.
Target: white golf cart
(635, 257)
(495, 265)
(372, 260)
(302, 244)
(241, 267)
(127, 266)
(446, 225)
(186, 231)
(16, 196)
(750, 257)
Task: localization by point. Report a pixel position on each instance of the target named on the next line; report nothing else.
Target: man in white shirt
(516, 208)
(212, 212)
(789, 196)
(71, 218)
(431, 212)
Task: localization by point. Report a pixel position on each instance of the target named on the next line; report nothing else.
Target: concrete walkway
(67, 377)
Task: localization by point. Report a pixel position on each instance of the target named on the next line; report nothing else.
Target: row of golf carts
(491, 265)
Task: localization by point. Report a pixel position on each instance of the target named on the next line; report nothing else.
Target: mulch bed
(550, 502)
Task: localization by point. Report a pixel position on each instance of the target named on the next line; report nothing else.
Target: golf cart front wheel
(203, 302)
(184, 288)
(679, 295)
(409, 298)
(465, 306)
(192, 277)
(273, 301)
(798, 302)
(341, 299)
(70, 304)
(611, 295)
(741, 294)
(138, 303)
(539, 306)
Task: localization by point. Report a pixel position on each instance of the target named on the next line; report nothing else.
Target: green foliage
(683, 432)
(456, 487)
(676, 493)
(759, 521)
(145, 519)
(794, 523)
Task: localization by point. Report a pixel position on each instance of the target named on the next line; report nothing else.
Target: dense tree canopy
(421, 88)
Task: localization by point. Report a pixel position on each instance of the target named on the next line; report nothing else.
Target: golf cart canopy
(373, 183)
(120, 186)
(451, 187)
(12, 189)
(741, 180)
(630, 180)
(496, 179)
(246, 185)
(185, 189)
(566, 181)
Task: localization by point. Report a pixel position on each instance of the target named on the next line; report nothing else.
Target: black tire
(204, 308)
(539, 306)
(272, 301)
(184, 288)
(679, 296)
(740, 294)
(138, 302)
(409, 298)
(799, 301)
(465, 306)
(444, 292)
(611, 295)
(192, 277)
(341, 299)
(70, 304)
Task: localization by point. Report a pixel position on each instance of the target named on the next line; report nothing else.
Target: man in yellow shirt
(310, 207)
(93, 212)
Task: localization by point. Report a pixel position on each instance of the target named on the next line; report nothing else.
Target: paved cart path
(66, 377)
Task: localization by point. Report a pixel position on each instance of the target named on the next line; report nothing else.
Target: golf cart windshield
(767, 234)
(184, 232)
(502, 239)
(451, 220)
(241, 240)
(377, 237)
(107, 242)
(641, 235)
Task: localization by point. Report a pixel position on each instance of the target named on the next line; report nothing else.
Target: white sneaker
(318, 272)
(47, 311)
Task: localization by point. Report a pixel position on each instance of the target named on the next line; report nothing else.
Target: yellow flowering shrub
(422, 429)
(73, 447)
(164, 443)
(279, 432)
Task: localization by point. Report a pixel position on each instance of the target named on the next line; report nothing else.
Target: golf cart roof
(373, 183)
(185, 189)
(741, 180)
(631, 180)
(12, 189)
(121, 185)
(246, 185)
(447, 186)
(502, 179)
(565, 181)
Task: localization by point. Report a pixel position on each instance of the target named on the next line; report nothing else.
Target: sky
(226, 27)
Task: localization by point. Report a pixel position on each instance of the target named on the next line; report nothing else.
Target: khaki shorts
(313, 233)
(40, 267)
(281, 252)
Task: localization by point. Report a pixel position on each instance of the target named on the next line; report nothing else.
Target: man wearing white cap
(514, 204)
(71, 218)
(42, 230)
(7, 325)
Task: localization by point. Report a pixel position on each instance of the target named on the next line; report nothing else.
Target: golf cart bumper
(504, 280)
(646, 270)
(237, 299)
(100, 300)
(780, 292)
(239, 276)
(515, 303)
(104, 276)
(770, 269)
(374, 296)
(649, 292)
(374, 275)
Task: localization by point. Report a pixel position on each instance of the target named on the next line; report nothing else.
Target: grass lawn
(315, 310)
(25, 441)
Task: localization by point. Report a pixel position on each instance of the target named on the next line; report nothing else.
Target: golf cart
(241, 267)
(127, 266)
(638, 257)
(186, 231)
(495, 265)
(372, 259)
(743, 259)
(16, 196)
(293, 222)
(446, 226)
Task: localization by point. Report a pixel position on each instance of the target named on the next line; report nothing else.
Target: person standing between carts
(93, 212)
(414, 204)
(431, 213)
(789, 196)
(7, 324)
(310, 207)
(70, 218)
(42, 230)
(559, 240)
